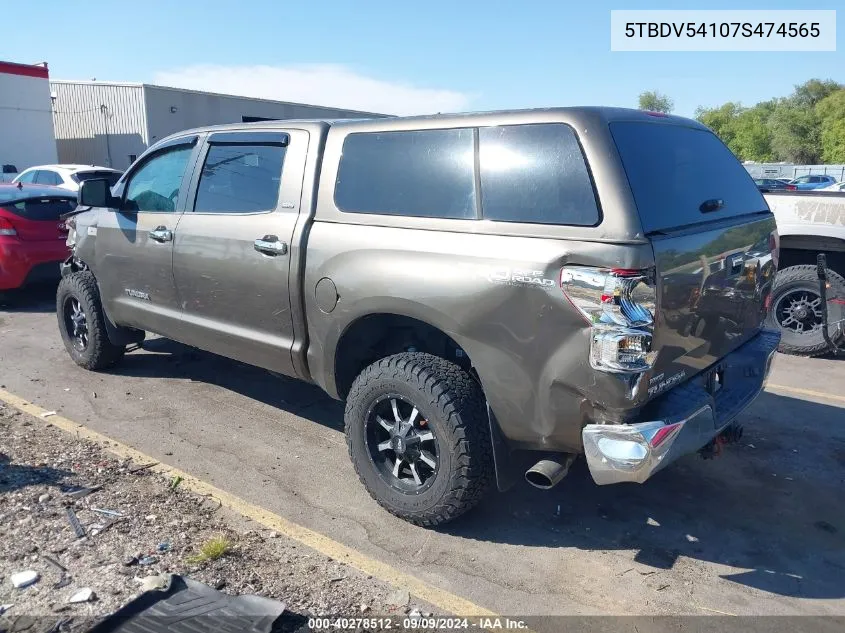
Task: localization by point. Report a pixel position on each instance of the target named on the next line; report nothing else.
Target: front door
(134, 244)
(232, 250)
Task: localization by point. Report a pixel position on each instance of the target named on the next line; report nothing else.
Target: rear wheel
(797, 310)
(417, 431)
(82, 322)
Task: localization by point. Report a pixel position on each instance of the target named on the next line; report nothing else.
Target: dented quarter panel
(528, 345)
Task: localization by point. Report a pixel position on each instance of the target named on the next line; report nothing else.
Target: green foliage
(654, 101)
(212, 549)
(831, 114)
(808, 126)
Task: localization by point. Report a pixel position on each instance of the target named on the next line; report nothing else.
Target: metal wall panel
(172, 110)
(99, 123)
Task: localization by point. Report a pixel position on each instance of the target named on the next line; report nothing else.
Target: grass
(212, 549)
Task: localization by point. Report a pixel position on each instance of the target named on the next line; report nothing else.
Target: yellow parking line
(805, 392)
(435, 596)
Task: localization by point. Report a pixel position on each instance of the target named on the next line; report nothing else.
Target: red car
(32, 233)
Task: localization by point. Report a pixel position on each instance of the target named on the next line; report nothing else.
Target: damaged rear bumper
(686, 419)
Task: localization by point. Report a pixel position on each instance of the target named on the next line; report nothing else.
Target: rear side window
(537, 174)
(240, 179)
(421, 173)
(673, 170)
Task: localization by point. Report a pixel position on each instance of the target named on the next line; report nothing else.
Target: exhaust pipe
(547, 473)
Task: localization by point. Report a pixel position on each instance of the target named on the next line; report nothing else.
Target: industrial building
(26, 123)
(111, 124)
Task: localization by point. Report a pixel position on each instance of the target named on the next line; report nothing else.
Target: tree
(721, 120)
(795, 133)
(751, 135)
(653, 101)
(808, 94)
(831, 114)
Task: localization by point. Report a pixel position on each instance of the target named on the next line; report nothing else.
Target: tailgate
(714, 241)
(713, 287)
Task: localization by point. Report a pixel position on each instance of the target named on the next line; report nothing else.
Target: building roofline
(212, 94)
(39, 71)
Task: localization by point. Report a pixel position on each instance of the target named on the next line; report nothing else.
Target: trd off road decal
(659, 383)
(519, 277)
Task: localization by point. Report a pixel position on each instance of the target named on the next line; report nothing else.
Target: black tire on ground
(796, 286)
(452, 406)
(98, 352)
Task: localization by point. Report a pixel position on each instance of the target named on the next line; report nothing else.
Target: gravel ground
(39, 464)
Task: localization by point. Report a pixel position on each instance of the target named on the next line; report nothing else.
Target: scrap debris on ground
(83, 533)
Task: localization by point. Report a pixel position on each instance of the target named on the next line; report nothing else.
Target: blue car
(806, 183)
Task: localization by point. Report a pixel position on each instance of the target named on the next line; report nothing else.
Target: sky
(403, 57)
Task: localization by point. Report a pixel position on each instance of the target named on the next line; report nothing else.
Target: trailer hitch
(821, 269)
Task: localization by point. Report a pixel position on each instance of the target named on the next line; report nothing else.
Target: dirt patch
(138, 524)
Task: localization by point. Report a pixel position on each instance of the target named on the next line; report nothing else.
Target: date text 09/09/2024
(722, 29)
(409, 623)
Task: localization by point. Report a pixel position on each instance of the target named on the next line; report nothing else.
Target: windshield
(673, 170)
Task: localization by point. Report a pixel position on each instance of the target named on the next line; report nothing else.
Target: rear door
(713, 236)
(232, 248)
(134, 244)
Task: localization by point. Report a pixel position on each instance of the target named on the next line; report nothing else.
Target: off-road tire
(99, 353)
(805, 277)
(454, 406)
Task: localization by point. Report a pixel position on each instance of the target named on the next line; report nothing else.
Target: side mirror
(96, 193)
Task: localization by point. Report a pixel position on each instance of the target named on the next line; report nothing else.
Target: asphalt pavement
(758, 530)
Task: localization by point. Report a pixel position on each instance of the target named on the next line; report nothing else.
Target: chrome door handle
(161, 234)
(271, 245)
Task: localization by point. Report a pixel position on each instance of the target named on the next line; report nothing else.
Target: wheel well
(377, 336)
(798, 250)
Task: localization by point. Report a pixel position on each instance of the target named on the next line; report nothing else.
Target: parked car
(770, 184)
(785, 181)
(32, 234)
(482, 290)
(66, 176)
(809, 223)
(837, 186)
(815, 181)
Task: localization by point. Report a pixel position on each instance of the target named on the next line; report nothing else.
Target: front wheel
(797, 310)
(418, 436)
(82, 322)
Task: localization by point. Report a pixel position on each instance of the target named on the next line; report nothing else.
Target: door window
(155, 186)
(28, 177)
(240, 179)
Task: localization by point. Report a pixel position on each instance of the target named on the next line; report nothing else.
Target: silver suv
(491, 294)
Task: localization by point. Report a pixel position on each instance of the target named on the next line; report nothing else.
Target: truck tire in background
(82, 322)
(418, 436)
(796, 310)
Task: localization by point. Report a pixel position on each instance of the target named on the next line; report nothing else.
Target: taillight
(620, 306)
(791, 188)
(6, 227)
(774, 247)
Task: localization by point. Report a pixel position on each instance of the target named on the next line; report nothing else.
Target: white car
(67, 176)
(837, 186)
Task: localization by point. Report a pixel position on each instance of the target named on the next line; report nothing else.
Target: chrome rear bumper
(634, 452)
